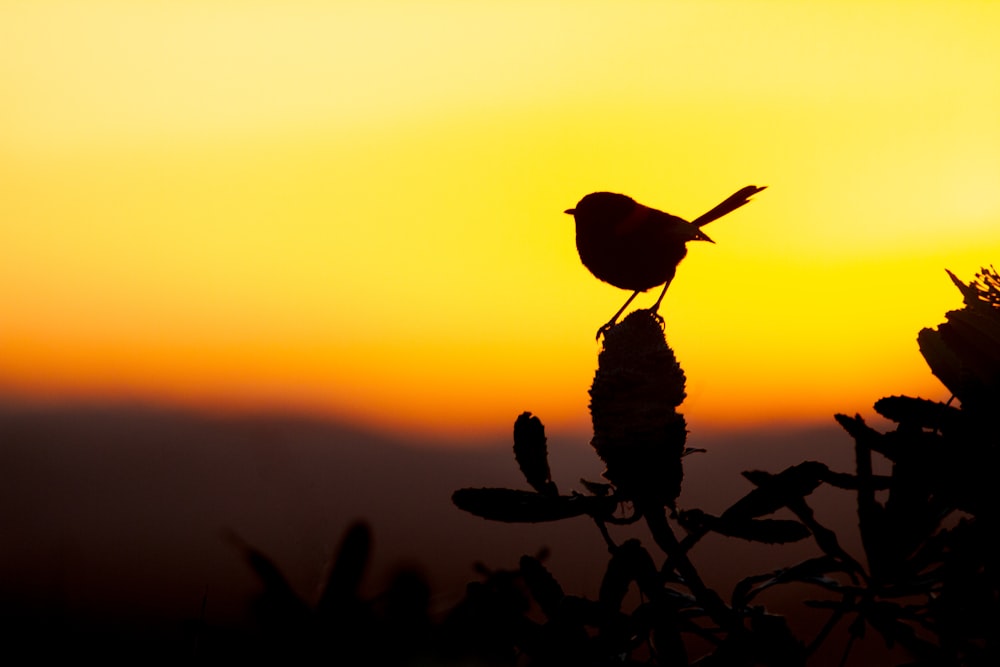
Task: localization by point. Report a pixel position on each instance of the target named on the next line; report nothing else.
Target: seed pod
(633, 404)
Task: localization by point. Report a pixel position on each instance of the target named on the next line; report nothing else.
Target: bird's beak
(570, 211)
(702, 236)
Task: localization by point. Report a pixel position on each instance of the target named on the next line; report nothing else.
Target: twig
(678, 560)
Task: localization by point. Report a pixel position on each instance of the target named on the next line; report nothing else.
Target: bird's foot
(653, 312)
(605, 329)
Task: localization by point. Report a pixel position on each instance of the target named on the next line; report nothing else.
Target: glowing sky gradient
(355, 208)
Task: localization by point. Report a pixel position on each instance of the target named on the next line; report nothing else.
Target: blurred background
(352, 212)
(355, 209)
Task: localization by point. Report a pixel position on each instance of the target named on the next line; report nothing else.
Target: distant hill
(121, 511)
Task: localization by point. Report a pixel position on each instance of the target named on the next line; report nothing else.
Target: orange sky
(355, 208)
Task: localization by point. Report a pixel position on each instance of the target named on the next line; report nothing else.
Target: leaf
(775, 491)
(348, 568)
(514, 506)
(769, 642)
(531, 453)
(617, 577)
(275, 584)
(663, 623)
(918, 412)
(542, 585)
(768, 531)
(774, 643)
(867, 438)
(812, 571)
(848, 482)
(629, 562)
(597, 488)
(887, 619)
(856, 427)
(278, 603)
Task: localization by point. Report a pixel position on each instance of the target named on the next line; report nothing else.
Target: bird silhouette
(636, 247)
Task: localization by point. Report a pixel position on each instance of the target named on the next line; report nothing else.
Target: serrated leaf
(848, 482)
(543, 586)
(918, 412)
(775, 491)
(856, 427)
(515, 506)
(768, 531)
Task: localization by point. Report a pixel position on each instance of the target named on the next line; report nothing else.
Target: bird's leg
(614, 319)
(656, 306)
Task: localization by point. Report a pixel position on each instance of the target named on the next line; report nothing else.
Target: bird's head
(602, 207)
(605, 205)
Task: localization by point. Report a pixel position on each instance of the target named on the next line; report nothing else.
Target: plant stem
(677, 559)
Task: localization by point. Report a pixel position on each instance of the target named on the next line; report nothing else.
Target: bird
(635, 247)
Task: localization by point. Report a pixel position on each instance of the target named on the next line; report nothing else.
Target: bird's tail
(733, 202)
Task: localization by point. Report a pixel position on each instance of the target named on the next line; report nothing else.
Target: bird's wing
(634, 220)
(644, 217)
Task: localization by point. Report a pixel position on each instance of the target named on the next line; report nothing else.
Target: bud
(633, 404)
(532, 454)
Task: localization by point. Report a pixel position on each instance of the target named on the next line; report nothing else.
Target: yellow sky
(356, 207)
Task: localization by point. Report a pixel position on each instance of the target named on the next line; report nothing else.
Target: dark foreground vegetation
(926, 583)
(918, 577)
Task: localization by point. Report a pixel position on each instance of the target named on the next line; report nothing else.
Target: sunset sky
(355, 209)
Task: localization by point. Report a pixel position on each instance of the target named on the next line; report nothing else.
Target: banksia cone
(964, 351)
(633, 404)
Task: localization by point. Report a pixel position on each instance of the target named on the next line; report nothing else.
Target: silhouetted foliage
(531, 452)
(927, 579)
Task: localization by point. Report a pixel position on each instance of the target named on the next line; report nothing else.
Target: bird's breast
(635, 261)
